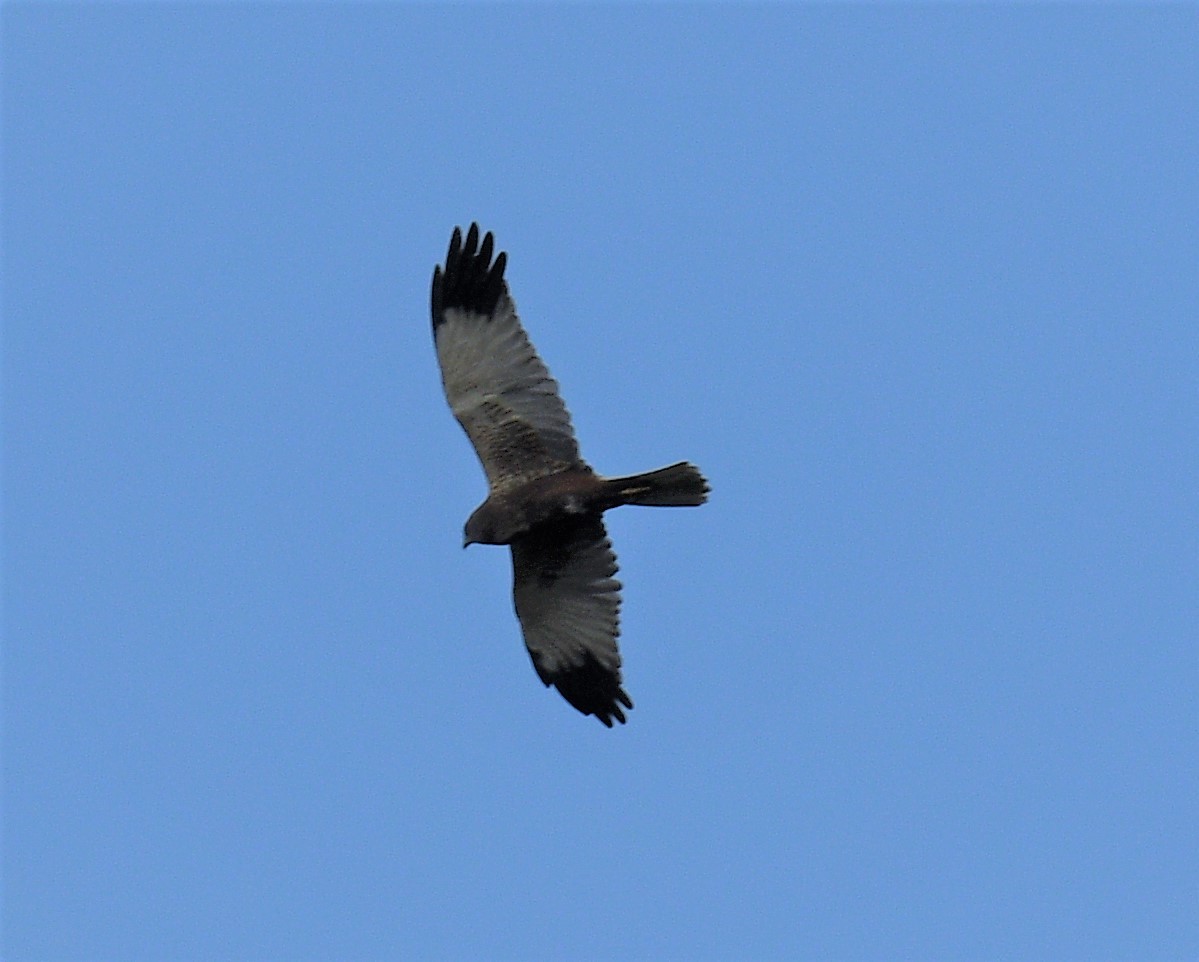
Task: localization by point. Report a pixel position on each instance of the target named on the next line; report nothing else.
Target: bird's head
(486, 526)
(468, 538)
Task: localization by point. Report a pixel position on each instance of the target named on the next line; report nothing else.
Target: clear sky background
(917, 287)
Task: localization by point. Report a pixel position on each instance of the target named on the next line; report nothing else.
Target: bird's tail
(680, 485)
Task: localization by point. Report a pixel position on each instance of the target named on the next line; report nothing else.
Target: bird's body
(544, 500)
(515, 509)
(512, 511)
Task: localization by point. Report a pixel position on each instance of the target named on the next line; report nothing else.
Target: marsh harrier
(544, 500)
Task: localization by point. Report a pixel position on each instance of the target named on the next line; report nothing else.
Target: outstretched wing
(569, 608)
(498, 388)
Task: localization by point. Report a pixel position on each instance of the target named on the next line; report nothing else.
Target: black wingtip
(592, 689)
(470, 280)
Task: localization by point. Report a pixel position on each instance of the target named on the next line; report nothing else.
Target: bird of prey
(544, 500)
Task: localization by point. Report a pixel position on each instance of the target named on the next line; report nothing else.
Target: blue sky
(915, 286)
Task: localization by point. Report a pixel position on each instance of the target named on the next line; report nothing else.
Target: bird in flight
(544, 501)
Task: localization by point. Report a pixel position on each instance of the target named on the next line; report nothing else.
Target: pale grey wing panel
(502, 393)
(568, 603)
